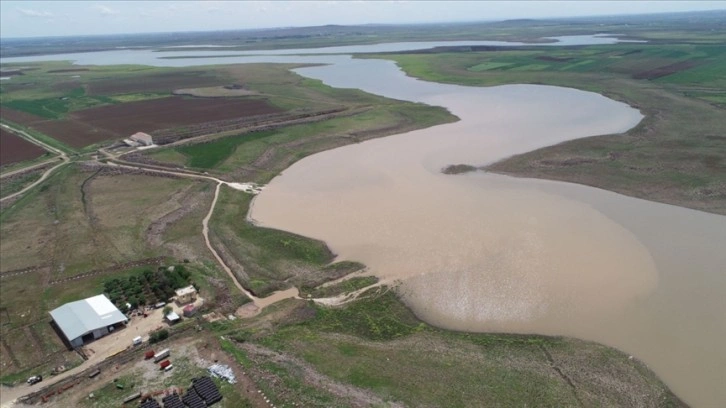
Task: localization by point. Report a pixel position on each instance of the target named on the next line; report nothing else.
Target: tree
(134, 302)
(166, 310)
(158, 336)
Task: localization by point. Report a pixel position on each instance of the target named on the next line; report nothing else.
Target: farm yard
(14, 149)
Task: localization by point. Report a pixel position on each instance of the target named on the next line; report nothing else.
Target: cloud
(105, 10)
(34, 13)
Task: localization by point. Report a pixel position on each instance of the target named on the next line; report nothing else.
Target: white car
(35, 379)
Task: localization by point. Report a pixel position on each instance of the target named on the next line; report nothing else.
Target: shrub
(158, 336)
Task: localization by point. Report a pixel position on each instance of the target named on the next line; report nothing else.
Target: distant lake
(152, 57)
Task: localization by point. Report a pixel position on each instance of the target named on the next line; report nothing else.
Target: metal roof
(83, 316)
(172, 316)
(186, 290)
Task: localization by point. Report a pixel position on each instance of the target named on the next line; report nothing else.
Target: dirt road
(61, 155)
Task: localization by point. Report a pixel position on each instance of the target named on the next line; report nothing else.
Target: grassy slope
(259, 156)
(271, 259)
(376, 344)
(676, 155)
(50, 227)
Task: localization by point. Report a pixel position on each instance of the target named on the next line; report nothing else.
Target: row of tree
(146, 288)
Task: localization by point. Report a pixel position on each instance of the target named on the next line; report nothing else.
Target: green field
(270, 259)
(44, 92)
(264, 154)
(675, 155)
(377, 347)
(210, 155)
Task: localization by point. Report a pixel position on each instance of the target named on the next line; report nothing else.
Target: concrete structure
(186, 295)
(189, 310)
(88, 319)
(172, 318)
(142, 139)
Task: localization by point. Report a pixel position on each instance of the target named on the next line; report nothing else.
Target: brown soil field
(15, 149)
(147, 116)
(66, 85)
(11, 73)
(94, 125)
(19, 117)
(665, 70)
(215, 92)
(58, 71)
(75, 133)
(553, 59)
(163, 82)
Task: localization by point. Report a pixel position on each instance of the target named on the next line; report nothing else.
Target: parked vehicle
(164, 364)
(161, 355)
(35, 379)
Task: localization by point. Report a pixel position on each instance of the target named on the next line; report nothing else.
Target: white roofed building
(87, 319)
(142, 138)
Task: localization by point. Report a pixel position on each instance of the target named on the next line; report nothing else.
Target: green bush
(158, 336)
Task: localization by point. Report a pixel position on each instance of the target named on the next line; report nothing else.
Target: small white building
(172, 318)
(87, 319)
(142, 138)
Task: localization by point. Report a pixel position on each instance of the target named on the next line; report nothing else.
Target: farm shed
(189, 310)
(172, 318)
(186, 295)
(142, 138)
(87, 319)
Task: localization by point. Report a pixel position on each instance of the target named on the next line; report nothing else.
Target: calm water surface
(483, 252)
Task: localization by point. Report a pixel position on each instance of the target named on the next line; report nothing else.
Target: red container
(164, 364)
(149, 354)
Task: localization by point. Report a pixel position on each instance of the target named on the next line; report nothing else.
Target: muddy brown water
(484, 252)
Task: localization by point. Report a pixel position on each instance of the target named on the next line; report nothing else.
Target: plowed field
(19, 117)
(15, 149)
(75, 133)
(89, 126)
(162, 82)
(147, 116)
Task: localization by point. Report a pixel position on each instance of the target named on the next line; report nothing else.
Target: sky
(60, 18)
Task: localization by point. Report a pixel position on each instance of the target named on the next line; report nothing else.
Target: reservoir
(484, 252)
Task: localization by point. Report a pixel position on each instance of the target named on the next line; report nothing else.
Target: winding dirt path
(205, 233)
(259, 303)
(61, 155)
